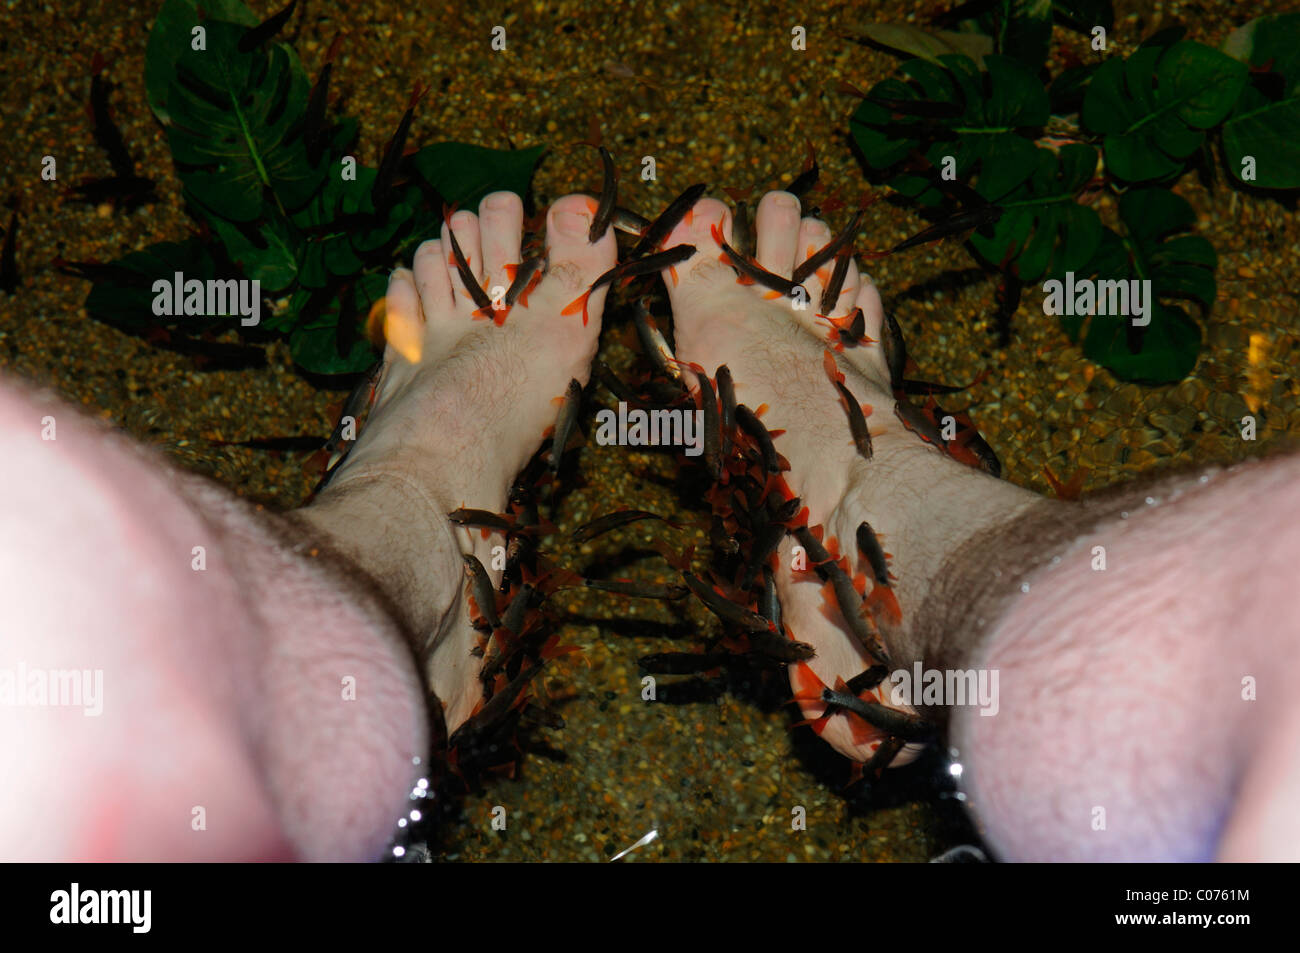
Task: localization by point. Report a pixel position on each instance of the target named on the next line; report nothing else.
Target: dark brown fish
(801, 184)
(639, 590)
(476, 292)
(610, 521)
(629, 222)
(9, 279)
(631, 269)
(857, 421)
(725, 609)
(683, 663)
(895, 350)
(871, 548)
(469, 517)
(600, 221)
(850, 605)
(481, 587)
(313, 122)
(524, 274)
(653, 343)
(564, 424)
(658, 230)
(266, 29)
(754, 271)
(831, 294)
(765, 544)
(779, 647)
(919, 422)
(769, 604)
(361, 397)
(727, 400)
(381, 190)
(830, 249)
(750, 423)
(865, 681)
(712, 431)
(954, 225)
(905, 726)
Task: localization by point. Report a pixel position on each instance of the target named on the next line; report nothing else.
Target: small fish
(513, 618)
(9, 278)
(472, 286)
(851, 608)
(857, 421)
(266, 29)
(921, 108)
(918, 421)
(629, 222)
(659, 229)
(866, 681)
(831, 294)
(640, 590)
(905, 726)
(885, 755)
(380, 191)
(831, 248)
(871, 548)
(724, 608)
(765, 544)
(752, 270)
(564, 424)
(107, 135)
(769, 604)
(610, 521)
(653, 342)
(683, 663)
(313, 122)
(778, 647)
(929, 387)
(750, 423)
(727, 401)
(712, 428)
(361, 397)
(805, 180)
(484, 518)
(526, 276)
(895, 350)
(604, 214)
(742, 231)
(481, 588)
(954, 225)
(632, 268)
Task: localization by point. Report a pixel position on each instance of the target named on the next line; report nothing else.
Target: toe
(696, 228)
(403, 323)
(467, 238)
(501, 224)
(777, 225)
(432, 281)
(574, 263)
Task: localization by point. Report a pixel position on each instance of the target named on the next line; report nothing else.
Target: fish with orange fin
(1070, 489)
(628, 270)
(668, 219)
(832, 248)
(751, 272)
(472, 287)
(524, 277)
(482, 598)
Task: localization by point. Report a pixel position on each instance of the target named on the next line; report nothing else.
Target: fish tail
(883, 601)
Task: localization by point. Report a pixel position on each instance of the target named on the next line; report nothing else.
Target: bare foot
(920, 502)
(462, 405)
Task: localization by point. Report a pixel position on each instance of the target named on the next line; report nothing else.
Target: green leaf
(1024, 30)
(1154, 107)
(127, 301)
(172, 34)
(1043, 228)
(929, 45)
(1178, 266)
(463, 174)
(985, 137)
(234, 126)
(265, 250)
(313, 343)
(1265, 125)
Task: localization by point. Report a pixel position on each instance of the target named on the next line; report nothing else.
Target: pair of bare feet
(463, 404)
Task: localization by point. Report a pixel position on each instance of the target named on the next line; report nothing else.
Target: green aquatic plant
(280, 197)
(976, 122)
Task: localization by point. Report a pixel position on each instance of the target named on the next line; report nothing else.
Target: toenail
(500, 201)
(785, 200)
(462, 218)
(571, 223)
